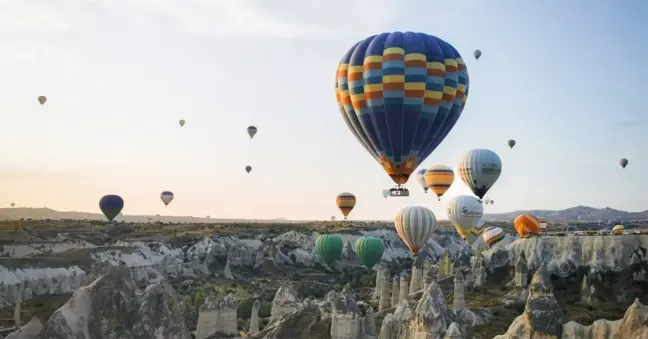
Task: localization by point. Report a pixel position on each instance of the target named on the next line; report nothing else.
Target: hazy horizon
(119, 75)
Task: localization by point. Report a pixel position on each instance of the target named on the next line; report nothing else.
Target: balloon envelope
(42, 99)
(248, 168)
(385, 193)
(345, 202)
(420, 177)
(111, 205)
(479, 169)
(251, 131)
(329, 248)
(166, 197)
(618, 229)
(181, 122)
(526, 224)
(493, 235)
(511, 143)
(477, 53)
(465, 212)
(13, 204)
(369, 250)
(400, 94)
(623, 162)
(415, 225)
(439, 178)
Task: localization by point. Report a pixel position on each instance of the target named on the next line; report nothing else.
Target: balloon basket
(399, 191)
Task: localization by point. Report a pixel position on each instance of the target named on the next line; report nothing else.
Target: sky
(566, 79)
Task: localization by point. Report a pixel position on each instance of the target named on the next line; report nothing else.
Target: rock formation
(254, 318)
(395, 288)
(459, 292)
(380, 271)
(31, 330)
(521, 271)
(404, 288)
(385, 287)
(346, 320)
(285, 300)
(112, 307)
(456, 331)
(217, 317)
(416, 281)
(227, 272)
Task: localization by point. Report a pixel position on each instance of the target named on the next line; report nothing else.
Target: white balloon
(385, 193)
(479, 169)
(166, 198)
(493, 235)
(465, 213)
(415, 225)
(420, 177)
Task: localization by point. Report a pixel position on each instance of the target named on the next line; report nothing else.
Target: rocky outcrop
(38, 281)
(543, 317)
(285, 300)
(217, 317)
(303, 323)
(112, 306)
(31, 330)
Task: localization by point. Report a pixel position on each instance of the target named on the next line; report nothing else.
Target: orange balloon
(525, 224)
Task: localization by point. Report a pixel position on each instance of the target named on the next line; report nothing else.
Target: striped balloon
(439, 178)
(479, 169)
(465, 213)
(400, 94)
(493, 235)
(369, 250)
(329, 247)
(415, 225)
(345, 202)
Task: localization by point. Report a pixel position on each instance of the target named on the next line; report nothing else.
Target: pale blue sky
(566, 79)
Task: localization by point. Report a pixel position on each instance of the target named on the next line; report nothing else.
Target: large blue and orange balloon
(111, 205)
(400, 94)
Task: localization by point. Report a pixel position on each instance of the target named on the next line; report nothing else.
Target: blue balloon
(111, 205)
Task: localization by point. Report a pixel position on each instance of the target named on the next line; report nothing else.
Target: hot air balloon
(181, 122)
(166, 197)
(526, 224)
(385, 193)
(332, 218)
(251, 131)
(479, 169)
(329, 248)
(493, 235)
(13, 204)
(111, 205)
(439, 178)
(465, 213)
(492, 201)
(618, 229)
(420, 177)
(623, 162)
(369, 250)
(487, 201)
(345, 202)
(400, 94)
(415, 225)
(248, 168)
(477, 54)
(42, 99)
(511, 143)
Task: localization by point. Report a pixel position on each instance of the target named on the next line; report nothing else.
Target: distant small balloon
(511, 143)
(385, 193)
(248, 168)
(623, 162)
(181, 122)
(42, 99)
(252, 131)
(166, 197)
(332, 218)
(477, 53)
(13, 204)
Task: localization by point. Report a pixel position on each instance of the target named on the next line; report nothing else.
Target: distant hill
(580, 213)
(17, 213)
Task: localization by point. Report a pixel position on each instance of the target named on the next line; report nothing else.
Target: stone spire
(384, 301)
(521, 271)
(459, 291)
(254, 318)
(404, 287)
(395, 290)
